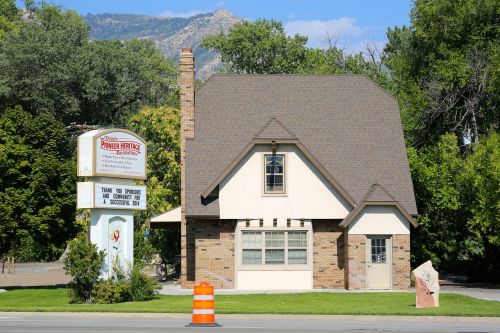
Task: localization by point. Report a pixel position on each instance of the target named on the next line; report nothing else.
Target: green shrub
(83, 263)
(132, 286)
(143, 288)
(111, 291)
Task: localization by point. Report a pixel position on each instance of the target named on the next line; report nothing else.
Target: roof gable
(338, 187)
(347, 123)
(377, 196)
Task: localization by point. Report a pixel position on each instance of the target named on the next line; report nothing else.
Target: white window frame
(241, 227)
(265, 192)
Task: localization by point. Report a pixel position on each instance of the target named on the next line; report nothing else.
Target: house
(292, 182)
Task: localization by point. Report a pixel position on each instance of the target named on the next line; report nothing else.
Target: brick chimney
(186, 87)
(186, 69)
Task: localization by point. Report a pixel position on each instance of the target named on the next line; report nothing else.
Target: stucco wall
(308, 194)
(380, 220)
(274, 280)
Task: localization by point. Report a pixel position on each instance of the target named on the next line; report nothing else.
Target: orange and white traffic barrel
(203, 306)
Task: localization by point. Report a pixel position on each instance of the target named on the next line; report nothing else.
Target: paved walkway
(480, 293)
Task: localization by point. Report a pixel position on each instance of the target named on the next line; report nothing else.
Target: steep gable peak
(274, 129)
(378, 193)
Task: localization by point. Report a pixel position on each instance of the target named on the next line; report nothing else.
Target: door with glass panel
(379, 262)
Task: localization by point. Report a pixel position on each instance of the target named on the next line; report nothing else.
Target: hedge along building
(292, 182)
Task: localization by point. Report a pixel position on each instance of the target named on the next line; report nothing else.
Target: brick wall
(328, 254)
(210, 253)
(400, 262)
(356, 262)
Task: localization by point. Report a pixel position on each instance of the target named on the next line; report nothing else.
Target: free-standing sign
(114, 153)
(111, 159)
(113, 196)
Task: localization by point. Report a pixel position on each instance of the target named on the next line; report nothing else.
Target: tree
(37, 185)
(37, 63)
(9, 16)
(459, 204)
(49, 64)
(333, 60)
(482, 175)
(436, 173)
(262, 47)
(445, 69)
(259, 47)
(160, 127)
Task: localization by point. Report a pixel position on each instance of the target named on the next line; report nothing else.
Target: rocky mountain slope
(169, 33)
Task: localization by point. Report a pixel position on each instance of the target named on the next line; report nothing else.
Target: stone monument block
(426, 285)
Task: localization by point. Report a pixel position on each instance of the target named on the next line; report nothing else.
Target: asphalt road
(138, 323)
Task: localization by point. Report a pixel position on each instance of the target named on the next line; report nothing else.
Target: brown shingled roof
(348, 123)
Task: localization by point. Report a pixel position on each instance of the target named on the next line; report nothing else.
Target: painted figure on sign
(115, 250)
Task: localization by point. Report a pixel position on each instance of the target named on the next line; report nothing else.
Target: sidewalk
(480, 293)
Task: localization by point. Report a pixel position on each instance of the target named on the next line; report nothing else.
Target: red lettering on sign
(120, 146)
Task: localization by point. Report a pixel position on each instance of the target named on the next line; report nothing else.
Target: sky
(352, 24)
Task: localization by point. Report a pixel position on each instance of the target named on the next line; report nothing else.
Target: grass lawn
(55, 299)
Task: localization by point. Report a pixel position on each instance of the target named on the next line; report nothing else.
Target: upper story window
(274, 180)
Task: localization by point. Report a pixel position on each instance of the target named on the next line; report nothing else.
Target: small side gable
(360, 208)
(377, 196)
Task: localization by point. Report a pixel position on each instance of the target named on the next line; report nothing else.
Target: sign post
(110, 160)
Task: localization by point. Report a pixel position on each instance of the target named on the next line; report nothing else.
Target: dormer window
(274, 180)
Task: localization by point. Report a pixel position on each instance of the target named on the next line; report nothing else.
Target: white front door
(379, 262)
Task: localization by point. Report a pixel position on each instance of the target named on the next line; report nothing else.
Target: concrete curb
(256, 316)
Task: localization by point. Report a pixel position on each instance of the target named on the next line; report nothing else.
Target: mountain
(169, 33)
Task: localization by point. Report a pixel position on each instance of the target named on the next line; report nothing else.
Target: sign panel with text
(116, 153)
(112, 196)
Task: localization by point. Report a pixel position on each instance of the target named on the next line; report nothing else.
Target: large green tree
(53, 79)
(10, 15)
(260, 47)
(459, 205)
(49, 64)
(445, 69)
(160, 127)
(263, 47)
(37, 185)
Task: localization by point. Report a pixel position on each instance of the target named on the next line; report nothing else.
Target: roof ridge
(287, 75)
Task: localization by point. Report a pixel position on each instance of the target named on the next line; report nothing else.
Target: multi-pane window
(297, 247)
(279, 247)
(275, 247)
(378, 250)
(252, 247)
(274, 173)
